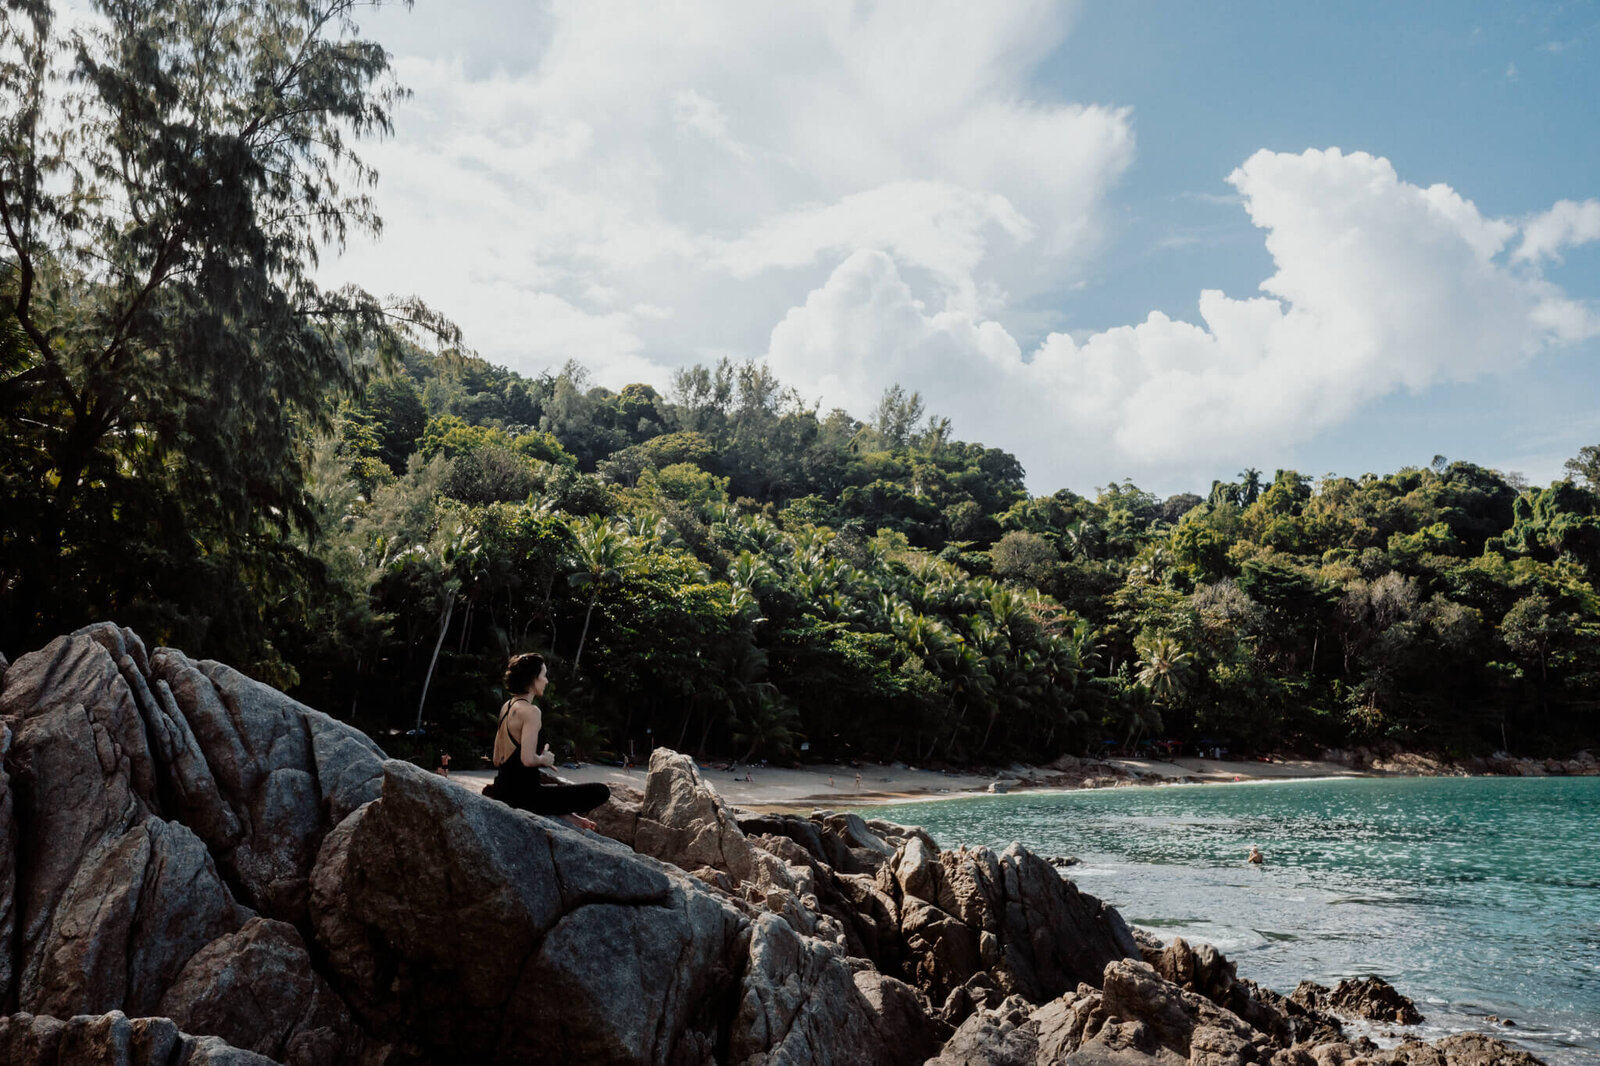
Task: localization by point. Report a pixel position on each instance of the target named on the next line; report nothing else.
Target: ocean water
(1473, 896)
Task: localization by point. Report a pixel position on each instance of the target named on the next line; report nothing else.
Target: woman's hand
(547, 757)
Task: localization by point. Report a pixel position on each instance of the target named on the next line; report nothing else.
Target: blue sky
(1015, 209)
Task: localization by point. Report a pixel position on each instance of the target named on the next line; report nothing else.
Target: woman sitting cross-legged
(518, 758)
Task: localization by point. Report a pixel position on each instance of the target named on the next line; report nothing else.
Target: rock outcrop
(195, 868)
(1370, 997)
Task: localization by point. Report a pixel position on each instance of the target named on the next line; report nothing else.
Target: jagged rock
(684, 822)
(1370, 997)
(798, 997)
(542, 917)
(1463, 1049)
(1008, 913)
(1205, 971)
(115, 899)
(112, 1039)
(8, 870)
(1179, 1020)
(256, 989)
(1006, 1036)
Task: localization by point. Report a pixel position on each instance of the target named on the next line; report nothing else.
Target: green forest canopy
(202, 444)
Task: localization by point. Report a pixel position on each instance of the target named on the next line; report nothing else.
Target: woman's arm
(532, 719)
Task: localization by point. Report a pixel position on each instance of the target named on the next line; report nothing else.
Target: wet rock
(1464, 1049)
(1205, 971)
(1369, 997)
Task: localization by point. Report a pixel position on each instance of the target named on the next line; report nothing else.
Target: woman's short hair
(523, 670)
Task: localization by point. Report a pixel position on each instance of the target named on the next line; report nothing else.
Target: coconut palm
(601, 552)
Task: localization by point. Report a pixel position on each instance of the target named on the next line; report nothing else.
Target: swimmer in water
(1256, 858)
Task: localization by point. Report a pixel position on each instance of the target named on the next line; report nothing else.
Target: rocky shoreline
(195, 868)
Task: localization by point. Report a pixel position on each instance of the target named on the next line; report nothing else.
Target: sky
(1127, 239)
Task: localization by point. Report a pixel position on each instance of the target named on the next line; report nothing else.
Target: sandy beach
(822, 785)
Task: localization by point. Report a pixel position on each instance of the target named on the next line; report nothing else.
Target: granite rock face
(194, 868)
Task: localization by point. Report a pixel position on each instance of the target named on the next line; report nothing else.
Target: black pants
(520, 787)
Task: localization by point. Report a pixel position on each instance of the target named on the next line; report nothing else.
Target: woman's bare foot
(578, 820)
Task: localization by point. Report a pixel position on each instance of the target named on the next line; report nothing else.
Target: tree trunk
(578, 658)
(983, 747)
(955, 731)
(444, 626)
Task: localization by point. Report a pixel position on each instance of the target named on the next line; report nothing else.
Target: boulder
(1369, 997)
(798, 997)
(257, 990)
(1463, 1049)
(142, 796)
(112, 1039)
(114, 899)
(543, 917)
(1204, 970)
(683, 821)
(1176, 1019)
(1009, 913)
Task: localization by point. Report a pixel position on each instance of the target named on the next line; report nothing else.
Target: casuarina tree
(170, 173)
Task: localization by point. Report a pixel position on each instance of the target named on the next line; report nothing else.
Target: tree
(897, 416)
(165, 196)
(1586, 465)
(600, 551)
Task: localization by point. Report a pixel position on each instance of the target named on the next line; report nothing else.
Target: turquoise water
(1474, 896)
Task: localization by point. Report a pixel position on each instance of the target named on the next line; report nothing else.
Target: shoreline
(775, 789)
(801, 789)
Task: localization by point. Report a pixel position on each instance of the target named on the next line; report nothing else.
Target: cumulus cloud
(715, 161)
(1380, 285)
(1565, 225)
(879, 193)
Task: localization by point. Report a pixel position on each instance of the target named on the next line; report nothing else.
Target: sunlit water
(1474, 896)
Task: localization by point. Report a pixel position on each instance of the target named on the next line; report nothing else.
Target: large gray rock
(610, 957)
(148, 805)
(1009, 913)
(114, 899)
(686, 823)
(1204, 970)
(801, 1004)
(112, 1039)
(257, 990)
(8, 871)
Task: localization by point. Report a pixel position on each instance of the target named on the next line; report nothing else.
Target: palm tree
(1250, 485)
(769, 723)
(1164, 668)
(454, 551)
(1164, 672)
(601, 553)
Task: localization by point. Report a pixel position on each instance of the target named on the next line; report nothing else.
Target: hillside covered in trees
(726, 570)
(203, 444)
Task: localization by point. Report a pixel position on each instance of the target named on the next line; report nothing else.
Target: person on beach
(518, 758)
(1256, 858)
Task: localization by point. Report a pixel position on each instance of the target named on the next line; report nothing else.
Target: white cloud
(1380, 285)
(879, 193)
(1565, 225)
(713, 161)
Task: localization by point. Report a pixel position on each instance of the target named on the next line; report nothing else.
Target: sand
(808, 787)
